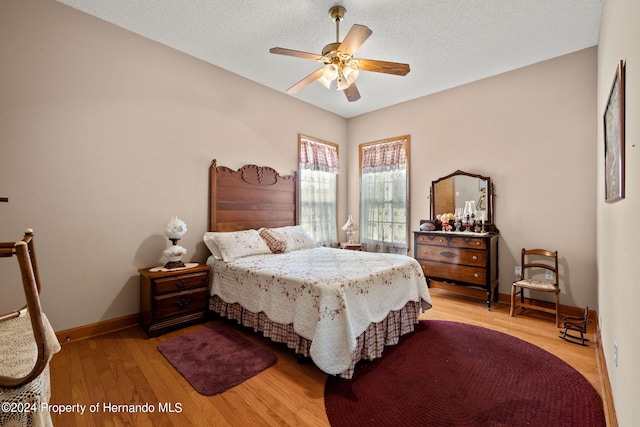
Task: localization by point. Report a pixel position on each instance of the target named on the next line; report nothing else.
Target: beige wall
(618, 235)
(532, 131)
(105, 135)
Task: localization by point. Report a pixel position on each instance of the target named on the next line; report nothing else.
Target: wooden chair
(535, 262)
(577, 324)
(27, 343)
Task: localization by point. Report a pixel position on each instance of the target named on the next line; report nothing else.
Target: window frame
(300, 182)
(407, 142)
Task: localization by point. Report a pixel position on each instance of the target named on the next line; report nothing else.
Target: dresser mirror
(453, 191)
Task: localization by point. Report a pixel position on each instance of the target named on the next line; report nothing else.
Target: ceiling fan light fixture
(330, 72)
(342, 82)
(325, 82)
(350, 73)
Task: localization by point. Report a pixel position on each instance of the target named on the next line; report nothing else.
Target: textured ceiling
(446, 42)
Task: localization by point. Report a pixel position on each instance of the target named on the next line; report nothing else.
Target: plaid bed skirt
(370, 343)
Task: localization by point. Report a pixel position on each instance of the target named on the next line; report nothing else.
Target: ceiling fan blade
(352, 93)
(296, 53)
(357, 35)
(383, 67)
(306, 81)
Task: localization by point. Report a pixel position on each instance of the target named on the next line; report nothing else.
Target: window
(318, 167)
(384, 195)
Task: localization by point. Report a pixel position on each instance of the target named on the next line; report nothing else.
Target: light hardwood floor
(125, 368)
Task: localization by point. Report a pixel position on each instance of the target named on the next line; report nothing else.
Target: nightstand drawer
(179, 303)
(174, 298)
(179, 283)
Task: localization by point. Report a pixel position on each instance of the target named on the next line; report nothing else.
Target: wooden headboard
(251, 197)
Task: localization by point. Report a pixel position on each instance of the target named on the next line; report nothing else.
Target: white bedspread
(329, 295)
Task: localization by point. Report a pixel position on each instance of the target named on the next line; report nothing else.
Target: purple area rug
(454, 374)
(214, 359)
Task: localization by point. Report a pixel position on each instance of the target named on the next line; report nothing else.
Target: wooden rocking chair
(577, 324)
(27, 343)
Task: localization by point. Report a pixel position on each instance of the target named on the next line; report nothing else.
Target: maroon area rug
(214, 359)
(454, 374)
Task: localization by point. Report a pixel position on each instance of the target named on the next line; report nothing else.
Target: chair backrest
(585, 319)
(23, 250)
(533, 260)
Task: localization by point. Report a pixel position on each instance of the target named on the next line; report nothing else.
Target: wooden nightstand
(169, 299)
(351, 246)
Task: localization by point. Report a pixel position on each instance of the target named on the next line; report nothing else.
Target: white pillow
(213, 247)
(296, 237)
(238, 244)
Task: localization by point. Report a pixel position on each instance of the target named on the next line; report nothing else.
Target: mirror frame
(490, 220)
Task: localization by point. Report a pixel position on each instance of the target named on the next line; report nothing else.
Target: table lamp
(350, 227)
(174, 229)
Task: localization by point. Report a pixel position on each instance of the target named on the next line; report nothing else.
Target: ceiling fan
(340, 65)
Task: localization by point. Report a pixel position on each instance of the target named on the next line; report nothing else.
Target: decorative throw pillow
(238, 244)
(275, 243)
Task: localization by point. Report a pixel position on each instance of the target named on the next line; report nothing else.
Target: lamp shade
(350, 74)
(175, 228)
(350, 225)
(342, 82)
(330, 72)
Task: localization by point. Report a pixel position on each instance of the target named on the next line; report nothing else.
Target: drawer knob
(182, 283)
(441, 240)
(181, 302)
(477, 243)
(475, 257)
(476, 275)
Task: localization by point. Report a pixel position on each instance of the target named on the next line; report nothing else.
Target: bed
(333, 306)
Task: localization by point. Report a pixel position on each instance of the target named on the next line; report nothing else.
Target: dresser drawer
(179, 303)
(433, 239)
(474, 275)
(452, 255)
(468, 242)
(452, 240)
(182, 282)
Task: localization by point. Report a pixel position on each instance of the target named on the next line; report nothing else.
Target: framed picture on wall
(614, 139)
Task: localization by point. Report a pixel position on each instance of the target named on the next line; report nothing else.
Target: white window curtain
(318, 190)
(384, 197)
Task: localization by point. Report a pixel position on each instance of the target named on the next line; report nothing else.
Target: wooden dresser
(467, 259)
(169, 299)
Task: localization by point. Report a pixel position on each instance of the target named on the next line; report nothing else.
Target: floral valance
(318, 156)
(384, 156)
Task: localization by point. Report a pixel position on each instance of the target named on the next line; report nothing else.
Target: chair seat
(18, 355)
(18, 349)
(541, 285)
